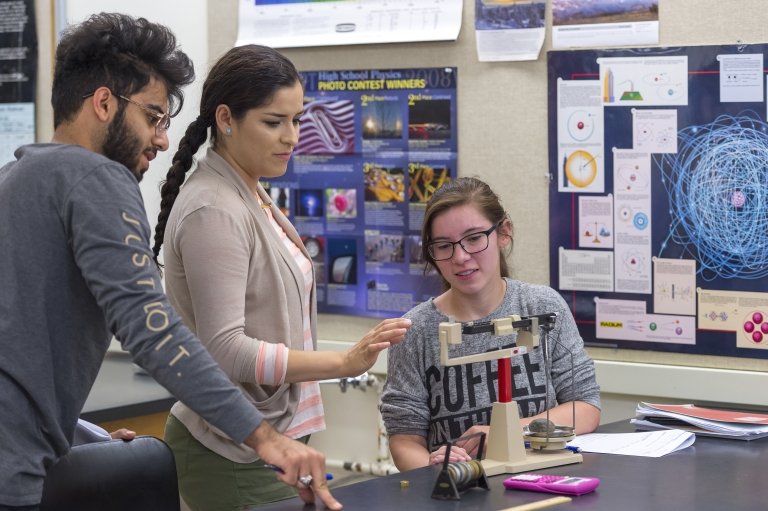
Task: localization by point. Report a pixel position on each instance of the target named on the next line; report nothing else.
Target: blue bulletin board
(374, 145)
(659, 196)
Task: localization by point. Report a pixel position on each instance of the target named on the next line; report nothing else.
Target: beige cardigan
(236, 285)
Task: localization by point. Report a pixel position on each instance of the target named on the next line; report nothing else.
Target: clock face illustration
(581, 168)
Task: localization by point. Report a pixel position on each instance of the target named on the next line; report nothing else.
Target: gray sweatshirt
(76, 268)
(421, 397)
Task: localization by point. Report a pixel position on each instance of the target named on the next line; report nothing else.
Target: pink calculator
(566, 485)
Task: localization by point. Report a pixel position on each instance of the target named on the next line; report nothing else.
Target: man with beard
(77, 268)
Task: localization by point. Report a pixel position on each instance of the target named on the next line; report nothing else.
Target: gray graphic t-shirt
(421, 397)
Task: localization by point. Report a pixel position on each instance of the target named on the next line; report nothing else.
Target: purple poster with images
(374, 145)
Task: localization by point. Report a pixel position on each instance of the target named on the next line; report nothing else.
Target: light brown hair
(458, 192)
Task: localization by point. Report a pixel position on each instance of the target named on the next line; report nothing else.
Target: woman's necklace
(264, 205)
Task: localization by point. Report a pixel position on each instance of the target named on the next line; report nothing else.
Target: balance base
(506, 453)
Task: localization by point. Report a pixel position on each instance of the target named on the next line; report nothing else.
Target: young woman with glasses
(466, 236)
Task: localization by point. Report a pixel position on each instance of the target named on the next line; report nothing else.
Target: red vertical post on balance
(505, 380)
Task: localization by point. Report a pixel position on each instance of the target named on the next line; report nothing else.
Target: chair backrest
(116, 475)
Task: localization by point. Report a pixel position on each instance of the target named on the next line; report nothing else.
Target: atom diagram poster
(659, 196)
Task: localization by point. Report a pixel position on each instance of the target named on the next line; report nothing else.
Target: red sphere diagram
(755, 327)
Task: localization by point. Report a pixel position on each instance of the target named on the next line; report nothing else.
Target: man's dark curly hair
(119, 52)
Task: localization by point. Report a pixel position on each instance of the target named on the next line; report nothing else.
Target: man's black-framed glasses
(161, 120)
(471, 243)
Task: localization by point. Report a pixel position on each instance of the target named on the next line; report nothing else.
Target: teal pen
(328, 475)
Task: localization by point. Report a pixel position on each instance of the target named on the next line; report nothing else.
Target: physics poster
(374, 145)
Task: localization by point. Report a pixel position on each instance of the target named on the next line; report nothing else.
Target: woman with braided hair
(239, 275)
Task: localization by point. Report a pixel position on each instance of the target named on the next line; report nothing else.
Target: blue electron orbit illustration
(718, 194)
(640, 221)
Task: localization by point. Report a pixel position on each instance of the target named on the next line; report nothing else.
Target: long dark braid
(194, 137)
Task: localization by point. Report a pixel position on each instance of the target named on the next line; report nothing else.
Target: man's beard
(122, 145)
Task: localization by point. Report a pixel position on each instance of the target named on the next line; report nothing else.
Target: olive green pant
(209, 482)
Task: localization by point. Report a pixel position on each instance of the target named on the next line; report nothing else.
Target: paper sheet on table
(651, 444)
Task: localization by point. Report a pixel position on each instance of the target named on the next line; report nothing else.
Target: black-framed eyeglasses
(471, 243)
(161, 120)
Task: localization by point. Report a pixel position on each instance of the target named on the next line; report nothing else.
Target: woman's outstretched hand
(360, 357)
